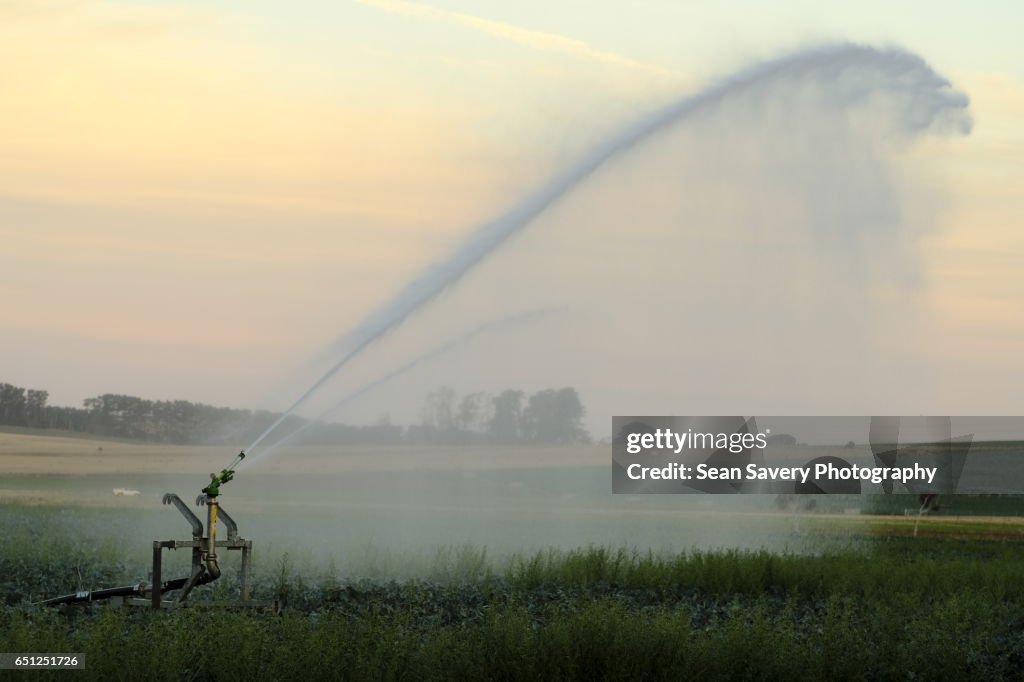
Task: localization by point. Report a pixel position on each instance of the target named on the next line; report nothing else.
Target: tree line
(549, 416)
(552, 416)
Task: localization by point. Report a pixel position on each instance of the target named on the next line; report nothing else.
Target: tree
(554, 416)
(467, 417)
(440, 409)
(35, 408)
(505, 425)
(12, 405)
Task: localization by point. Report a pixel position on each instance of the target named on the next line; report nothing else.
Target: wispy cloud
(550, 42)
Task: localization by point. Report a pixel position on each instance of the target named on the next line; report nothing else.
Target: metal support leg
(157, 577)
(192, 582)
(246, 569)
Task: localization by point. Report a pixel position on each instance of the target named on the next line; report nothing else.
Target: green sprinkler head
(225, 475)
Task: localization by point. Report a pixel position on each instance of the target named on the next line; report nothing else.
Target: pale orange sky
(195, 198)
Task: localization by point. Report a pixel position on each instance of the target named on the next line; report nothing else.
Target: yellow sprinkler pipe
(211, 547)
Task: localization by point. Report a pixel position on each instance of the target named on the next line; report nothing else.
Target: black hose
(126, 591)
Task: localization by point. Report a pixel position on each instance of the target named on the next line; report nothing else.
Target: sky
(196, 199)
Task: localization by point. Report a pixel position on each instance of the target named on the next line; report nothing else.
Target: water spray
(850, 73)
(444, 348)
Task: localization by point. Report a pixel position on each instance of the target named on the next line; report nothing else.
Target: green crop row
(880, 608)
(955, 637)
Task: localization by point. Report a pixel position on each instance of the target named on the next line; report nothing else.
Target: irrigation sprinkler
(205, 566)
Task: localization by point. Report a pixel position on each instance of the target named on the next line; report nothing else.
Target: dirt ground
(22, 454)
(28, 455)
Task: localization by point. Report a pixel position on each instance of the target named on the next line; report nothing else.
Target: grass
(61, 433)
(419, 632)
(875, 608)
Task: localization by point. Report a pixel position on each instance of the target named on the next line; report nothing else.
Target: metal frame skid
(204, 555)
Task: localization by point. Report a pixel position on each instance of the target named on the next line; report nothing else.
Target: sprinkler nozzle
(225, 475)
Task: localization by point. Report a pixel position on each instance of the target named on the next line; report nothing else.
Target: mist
(752, 247)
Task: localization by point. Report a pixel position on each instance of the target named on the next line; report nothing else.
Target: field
(500, 564)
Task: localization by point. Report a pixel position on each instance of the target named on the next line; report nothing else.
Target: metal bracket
(197, 525)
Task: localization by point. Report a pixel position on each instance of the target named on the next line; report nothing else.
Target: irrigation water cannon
(226, 474)
(205, 566)
(212, 491)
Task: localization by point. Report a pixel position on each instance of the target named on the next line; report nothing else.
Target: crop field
(404, 340)
(500, 564)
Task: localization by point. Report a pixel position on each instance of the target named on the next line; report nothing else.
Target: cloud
(549, 42)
